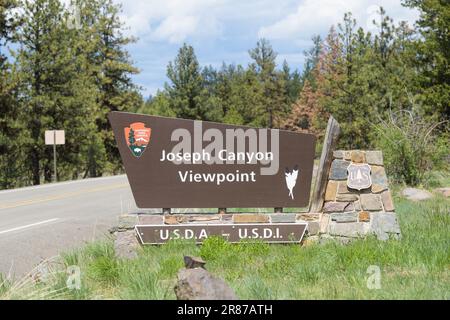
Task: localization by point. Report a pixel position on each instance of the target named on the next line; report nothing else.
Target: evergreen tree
(112, 68)
(44, 69)
(131, 138)
(311, 60)
(292, 81)
(350, 101)
(10, 127)
(186, 90)
(432, 56)
(159, 105)
(275, 106)
(246, 98)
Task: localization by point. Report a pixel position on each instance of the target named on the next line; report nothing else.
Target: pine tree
(10, 128)
(275, 106)
(112, 69)
(43, 68)
(311, 60)
(159, 105)
(59, 92)
(187, 91)
(131, 138)
(432, 56)
(347, 84)
(292, 82)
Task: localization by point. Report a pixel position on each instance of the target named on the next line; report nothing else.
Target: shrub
(410, 145)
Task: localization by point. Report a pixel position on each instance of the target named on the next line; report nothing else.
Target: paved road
(39, 222)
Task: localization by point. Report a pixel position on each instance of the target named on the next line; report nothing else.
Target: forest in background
(388, 89)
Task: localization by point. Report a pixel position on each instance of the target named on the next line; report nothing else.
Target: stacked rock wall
(349, 213)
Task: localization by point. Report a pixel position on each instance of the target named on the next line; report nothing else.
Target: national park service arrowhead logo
(138, 138)
(359, 176)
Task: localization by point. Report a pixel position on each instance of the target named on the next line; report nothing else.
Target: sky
(224, 30)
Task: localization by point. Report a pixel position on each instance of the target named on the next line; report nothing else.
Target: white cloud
(171, 20)
(316, 17)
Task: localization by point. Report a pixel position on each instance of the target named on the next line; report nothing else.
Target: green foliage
(5, 285)
(214, 247)
(432, 56)
(158, 106)
(275, 99)
(61, 76)
(188, 96)
(410, 146)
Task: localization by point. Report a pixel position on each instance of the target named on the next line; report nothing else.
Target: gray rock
(324, 223)
(335, 207)
(347, 197)
(128, 221)
(339, 170)
(384, 225)
(338, 154)
(126, 245)
(374, 158)
(283, 218)
(343, 189)
(313, 228)
(151, 219)
(379, 176)
(416, 194)
(194, 262)
(348, 230)
(371, 202)
(357, 205)
(199, 284)
(344, 217)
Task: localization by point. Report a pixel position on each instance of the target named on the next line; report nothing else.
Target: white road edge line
(29, 225)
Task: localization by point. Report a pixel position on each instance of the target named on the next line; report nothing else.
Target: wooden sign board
(176, 163)
(234, 233)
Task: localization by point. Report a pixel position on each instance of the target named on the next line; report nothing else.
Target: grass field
(416, 267)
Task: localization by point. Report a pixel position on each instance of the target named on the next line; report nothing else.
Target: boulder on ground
(194, 262)
(444, 191)
(126, 245)
(199, 284)
(416, 194)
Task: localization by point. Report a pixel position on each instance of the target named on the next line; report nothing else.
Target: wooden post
(329, 145)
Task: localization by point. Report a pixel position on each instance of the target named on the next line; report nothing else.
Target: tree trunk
(35, 166)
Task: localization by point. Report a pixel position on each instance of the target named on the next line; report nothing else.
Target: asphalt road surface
(38, 223)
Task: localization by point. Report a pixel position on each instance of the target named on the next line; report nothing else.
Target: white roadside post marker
(55, 137)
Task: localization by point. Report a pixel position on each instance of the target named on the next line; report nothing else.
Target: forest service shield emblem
(359, 176)
(137, 137)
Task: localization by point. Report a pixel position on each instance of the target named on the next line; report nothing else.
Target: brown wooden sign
(269, 233)
(176, 163)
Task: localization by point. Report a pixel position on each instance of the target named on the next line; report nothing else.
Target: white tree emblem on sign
(291, 180)
(359, 176)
